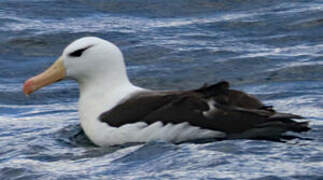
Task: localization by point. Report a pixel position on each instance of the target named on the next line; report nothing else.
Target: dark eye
(79, 52)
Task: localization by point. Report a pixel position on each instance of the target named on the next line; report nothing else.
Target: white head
(86, 60)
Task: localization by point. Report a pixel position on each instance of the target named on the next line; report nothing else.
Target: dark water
(273, 49)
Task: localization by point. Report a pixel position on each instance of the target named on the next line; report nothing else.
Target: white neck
(97, 97)
(103, 96)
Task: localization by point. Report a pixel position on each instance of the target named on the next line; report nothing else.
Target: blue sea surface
(270, 48)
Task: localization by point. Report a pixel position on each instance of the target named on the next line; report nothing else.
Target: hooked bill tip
(27, 88)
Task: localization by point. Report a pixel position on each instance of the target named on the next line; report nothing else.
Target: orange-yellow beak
(54, 73)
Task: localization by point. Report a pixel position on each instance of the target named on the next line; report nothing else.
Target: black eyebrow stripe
(79, 52)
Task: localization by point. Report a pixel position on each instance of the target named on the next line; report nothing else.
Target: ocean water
(271, 48)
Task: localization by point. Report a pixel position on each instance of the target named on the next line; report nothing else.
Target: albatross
(113, 111)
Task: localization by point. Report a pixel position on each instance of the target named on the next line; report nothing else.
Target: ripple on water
(270, 49)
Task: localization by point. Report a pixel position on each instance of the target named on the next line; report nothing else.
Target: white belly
(104, 135)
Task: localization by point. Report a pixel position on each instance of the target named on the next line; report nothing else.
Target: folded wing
(214, 107)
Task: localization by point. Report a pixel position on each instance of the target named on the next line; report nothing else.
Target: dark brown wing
(232, 111)
(144, 106)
